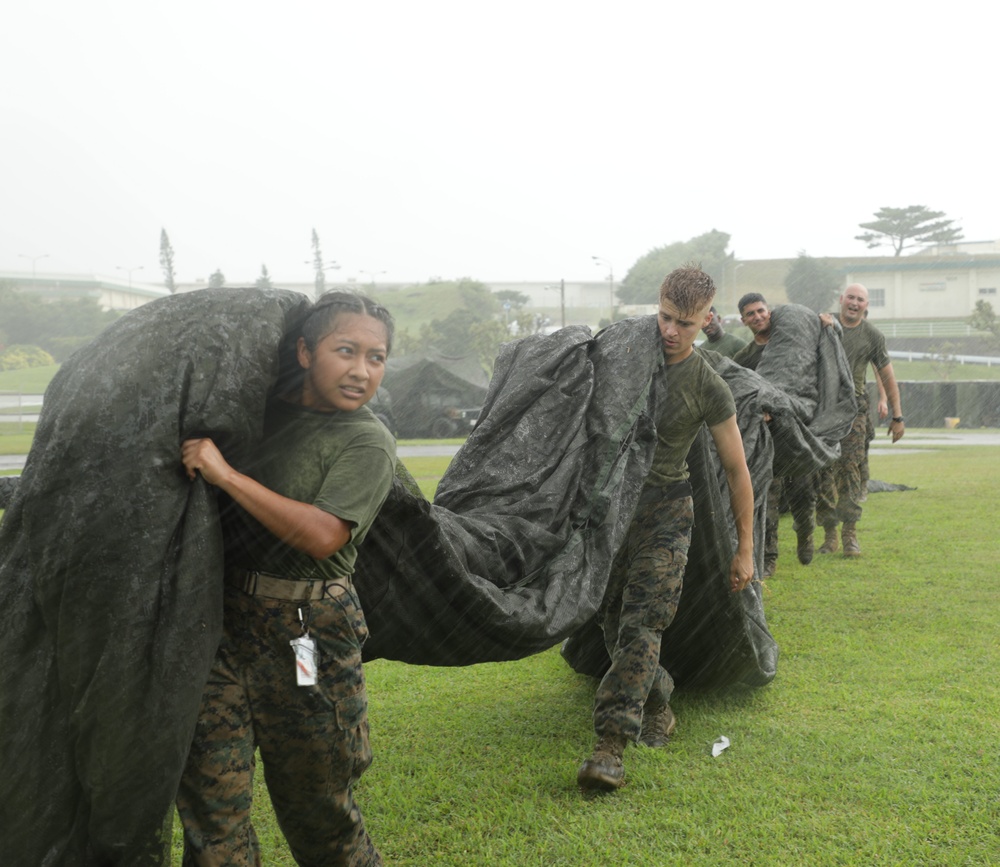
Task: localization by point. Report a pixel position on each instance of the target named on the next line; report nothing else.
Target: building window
(876, 297)
(933, 287)
(990, 290)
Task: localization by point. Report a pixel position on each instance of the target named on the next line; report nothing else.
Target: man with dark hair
(799, 490)
(841, 492)
(632, 702)
(757, 317)
(717, 339)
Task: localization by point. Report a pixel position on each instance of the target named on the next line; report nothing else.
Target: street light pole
(611, 283)
(372, 275)
(129, 270)
(33, 260)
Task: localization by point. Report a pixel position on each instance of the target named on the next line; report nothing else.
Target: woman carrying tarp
(287, 678)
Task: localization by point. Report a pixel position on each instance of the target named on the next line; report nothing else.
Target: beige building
(922, 286)
(926, 287)
(110, 293)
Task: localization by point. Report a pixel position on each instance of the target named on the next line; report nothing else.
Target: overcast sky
(501, 141)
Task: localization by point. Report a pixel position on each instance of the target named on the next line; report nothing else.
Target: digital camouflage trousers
(644, 589)
(313, 740)
(800, 494)
(840, 488)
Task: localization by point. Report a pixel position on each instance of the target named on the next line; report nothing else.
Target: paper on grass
(721, 744)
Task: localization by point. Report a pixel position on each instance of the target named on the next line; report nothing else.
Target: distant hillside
(413, 306)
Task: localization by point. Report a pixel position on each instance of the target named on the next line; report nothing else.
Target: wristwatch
(898, 418)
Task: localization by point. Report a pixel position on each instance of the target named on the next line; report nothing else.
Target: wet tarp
(110, 560)
(110, 574)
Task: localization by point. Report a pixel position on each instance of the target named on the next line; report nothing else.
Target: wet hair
(688, 288)
(750, 298)
(321, 318)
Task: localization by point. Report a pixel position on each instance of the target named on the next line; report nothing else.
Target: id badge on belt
(306, 657)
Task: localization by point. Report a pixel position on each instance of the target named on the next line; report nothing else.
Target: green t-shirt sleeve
(357, 485)
(720, 404)
(879, 355)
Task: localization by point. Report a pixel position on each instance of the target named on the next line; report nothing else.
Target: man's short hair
(750, 298)
(688, 288)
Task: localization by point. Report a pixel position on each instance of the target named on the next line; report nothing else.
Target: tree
(894, 227)
(642, 282)
(319, 278)
(264, 280)
(167, 262)
(812, 283)
(515, 299)
(985, 319)
(59, 327)
(217, 280)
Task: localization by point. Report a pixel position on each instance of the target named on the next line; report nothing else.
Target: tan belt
(275, 587)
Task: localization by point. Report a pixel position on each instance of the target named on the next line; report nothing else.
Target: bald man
(839, 489)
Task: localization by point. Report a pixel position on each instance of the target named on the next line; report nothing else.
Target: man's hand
(741, 570)
(202, 455)
(896, 430)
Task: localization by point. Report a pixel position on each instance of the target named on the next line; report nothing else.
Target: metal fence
(906, 355)
(928, 328)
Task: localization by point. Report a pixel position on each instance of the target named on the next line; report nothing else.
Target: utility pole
(562, 301)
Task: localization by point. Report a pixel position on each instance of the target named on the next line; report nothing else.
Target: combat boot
(604, 769)
(804, 549)
(657, 727)
(770, 567)
(849, 537)
(830, 543)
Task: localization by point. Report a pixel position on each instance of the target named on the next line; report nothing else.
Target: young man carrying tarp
(644, 587)
(799, 490)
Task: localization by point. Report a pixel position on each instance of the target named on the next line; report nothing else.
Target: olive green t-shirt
(340, 462)
(727, 345)
(749, 355)
(864, 344)
(688, 394)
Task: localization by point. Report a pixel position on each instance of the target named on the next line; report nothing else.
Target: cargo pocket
(665, 590)
(352, 711)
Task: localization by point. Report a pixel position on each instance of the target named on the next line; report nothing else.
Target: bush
(20, 357)
(63, 347)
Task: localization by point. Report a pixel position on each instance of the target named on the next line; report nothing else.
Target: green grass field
(32, 380)
(35, 380)
(875, 744)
